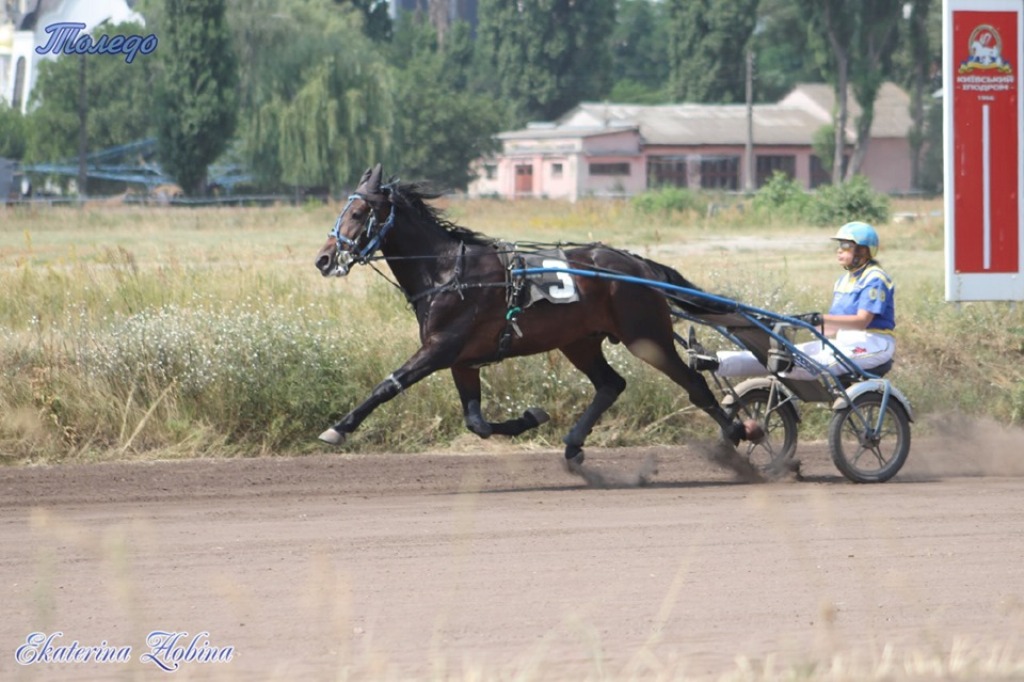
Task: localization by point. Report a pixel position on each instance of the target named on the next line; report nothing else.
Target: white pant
(866, 349)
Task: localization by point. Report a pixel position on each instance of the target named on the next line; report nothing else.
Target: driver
(860, 321)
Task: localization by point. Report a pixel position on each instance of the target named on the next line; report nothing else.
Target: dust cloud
(597, 477)
(960, 445)
(718, 453)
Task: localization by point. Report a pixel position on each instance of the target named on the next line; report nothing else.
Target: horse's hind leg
(586, 356)
(467, 381)
(660, 353)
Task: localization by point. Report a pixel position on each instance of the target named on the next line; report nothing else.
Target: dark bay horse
(461, 291)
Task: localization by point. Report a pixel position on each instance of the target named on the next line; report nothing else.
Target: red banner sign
(986, 162)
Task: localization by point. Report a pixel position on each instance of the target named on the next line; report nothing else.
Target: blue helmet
(861, 234)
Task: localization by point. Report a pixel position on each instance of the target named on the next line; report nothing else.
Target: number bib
(555, 287)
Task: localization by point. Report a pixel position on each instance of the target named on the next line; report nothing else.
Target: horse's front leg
(467, 381)
(422, 364)
(585, 354)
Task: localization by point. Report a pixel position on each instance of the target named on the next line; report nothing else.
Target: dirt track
(498, 565)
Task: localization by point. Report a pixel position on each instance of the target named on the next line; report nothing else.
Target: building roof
(892, 107)
(699, 124)
(792, 121)
(554, 131)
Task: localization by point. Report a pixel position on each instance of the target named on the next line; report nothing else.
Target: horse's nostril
(322, 263)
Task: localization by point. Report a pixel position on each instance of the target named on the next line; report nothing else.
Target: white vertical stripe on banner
(986, 188)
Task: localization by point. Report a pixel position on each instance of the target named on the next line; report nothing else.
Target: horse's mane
(412, 197)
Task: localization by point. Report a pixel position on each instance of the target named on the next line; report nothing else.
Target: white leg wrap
(332, 437)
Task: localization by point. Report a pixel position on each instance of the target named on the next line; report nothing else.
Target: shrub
(853, 200)
(781, 197)
(666, 200)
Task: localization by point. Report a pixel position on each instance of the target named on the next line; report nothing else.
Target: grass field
(134, 332)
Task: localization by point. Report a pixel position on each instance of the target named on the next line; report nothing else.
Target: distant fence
(249, 200)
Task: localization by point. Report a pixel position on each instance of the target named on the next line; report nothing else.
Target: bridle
(367, 242)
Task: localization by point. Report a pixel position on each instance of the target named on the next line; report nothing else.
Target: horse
(471, 313)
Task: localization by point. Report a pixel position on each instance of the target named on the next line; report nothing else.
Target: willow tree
(317, 104)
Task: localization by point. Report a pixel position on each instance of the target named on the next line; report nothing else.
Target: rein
(372, 236)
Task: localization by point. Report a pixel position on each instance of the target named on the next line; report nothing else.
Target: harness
(455, 284)
(518, 295)
(514, 286)
(372, 234)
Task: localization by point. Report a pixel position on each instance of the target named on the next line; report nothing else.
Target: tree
(12, 132)
(640, 52)
(198, 103)
(316, 106)
(376, 20)
(859, 42)
(919, 55)
(783, 57)
(118, 93)
(707, 49)
(547, 55)
(873, 47)
(440, 126)
(830, 16)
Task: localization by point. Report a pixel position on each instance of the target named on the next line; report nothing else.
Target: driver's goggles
(845, 245)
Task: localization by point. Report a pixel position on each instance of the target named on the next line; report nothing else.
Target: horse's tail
(689, 303)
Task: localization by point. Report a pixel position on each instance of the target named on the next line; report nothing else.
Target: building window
(821, 175)
(666, 171)
(490, 171)
(609, 169)
(720, 172)
(556, 170)
(767, 166)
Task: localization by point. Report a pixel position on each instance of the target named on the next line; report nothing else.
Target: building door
(524, 180)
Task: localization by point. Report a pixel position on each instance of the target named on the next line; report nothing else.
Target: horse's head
(361, 227)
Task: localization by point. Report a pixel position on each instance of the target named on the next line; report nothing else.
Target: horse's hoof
(734, 433)
(574, 464)
(753, 431)
(537, 416)
(748, 430)
(573, 458)
(332, 437)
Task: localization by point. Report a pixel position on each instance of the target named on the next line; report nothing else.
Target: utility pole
(748, 176)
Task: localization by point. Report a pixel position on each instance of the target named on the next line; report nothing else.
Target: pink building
(599, 149)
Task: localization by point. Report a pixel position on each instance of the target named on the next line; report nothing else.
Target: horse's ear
(366, 176)
(373, 181)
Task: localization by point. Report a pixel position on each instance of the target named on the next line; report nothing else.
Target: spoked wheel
(775, 412)
(862, 451)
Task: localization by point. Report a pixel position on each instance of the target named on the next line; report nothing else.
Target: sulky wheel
(775, 412)
(862, 455)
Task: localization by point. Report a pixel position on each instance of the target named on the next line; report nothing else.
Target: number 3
(568, 287)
